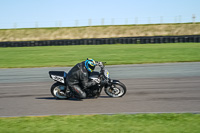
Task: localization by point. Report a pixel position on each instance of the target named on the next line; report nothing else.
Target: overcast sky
(44, 13)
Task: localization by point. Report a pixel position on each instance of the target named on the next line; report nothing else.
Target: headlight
(106, 74)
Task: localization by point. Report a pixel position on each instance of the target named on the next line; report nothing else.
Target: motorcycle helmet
(90, 64)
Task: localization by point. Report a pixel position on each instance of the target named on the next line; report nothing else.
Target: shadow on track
(53, 98)
(70, 99)
(46, 98)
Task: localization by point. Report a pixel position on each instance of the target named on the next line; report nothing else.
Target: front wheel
(57, 90)
(117, 89)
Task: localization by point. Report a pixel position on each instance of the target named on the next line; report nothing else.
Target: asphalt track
(168, 87)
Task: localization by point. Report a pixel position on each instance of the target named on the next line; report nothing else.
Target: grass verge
(137, 123)
(51, 56)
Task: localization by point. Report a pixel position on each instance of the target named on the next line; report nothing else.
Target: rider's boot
(62, 93)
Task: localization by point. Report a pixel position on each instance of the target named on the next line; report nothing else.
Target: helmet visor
(91, 66)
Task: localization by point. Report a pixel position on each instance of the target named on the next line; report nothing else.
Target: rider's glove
(97, 80)
(103, 82)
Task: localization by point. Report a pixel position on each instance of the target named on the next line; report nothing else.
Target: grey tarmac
(167, 87)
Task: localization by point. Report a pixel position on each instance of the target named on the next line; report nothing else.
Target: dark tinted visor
(91, 67)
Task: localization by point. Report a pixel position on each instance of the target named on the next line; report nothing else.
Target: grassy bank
(139, 123)
(52, 56)
(99, 32)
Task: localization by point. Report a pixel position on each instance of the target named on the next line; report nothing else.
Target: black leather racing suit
(77, 80)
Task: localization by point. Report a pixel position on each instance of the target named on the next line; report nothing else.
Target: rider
(77, 77)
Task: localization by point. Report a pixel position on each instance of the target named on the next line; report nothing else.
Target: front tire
(56, 88)
(117, 89)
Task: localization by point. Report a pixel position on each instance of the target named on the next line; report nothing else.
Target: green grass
(51, 56)
(137, 123)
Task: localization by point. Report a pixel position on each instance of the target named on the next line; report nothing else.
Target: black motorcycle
(113, 88)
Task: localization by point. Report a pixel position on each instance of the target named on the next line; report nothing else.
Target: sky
(67, 13)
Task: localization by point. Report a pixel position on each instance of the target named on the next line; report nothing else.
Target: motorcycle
(113, 88)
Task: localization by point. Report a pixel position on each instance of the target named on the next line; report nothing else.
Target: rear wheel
(116, 90)
(57, 90)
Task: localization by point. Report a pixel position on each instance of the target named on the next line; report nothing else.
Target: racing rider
(77, 77)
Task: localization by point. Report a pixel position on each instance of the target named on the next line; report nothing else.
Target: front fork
(110, 83)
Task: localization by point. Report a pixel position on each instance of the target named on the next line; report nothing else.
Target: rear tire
(56, 88)
(116, 90)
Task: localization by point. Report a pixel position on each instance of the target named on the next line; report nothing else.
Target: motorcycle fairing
(59, 76)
